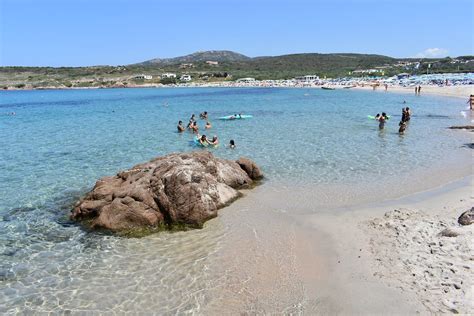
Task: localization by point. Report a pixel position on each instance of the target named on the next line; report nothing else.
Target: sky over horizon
(105, 32)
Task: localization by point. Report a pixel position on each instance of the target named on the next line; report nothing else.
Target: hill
(211, 55)
(230, 66)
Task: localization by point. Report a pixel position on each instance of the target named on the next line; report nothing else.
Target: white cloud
(433, 53)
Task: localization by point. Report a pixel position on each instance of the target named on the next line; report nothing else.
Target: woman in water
(382, 120)
(195, 128)
(203, 140)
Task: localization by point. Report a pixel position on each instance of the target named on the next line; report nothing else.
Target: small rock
(467, 218)
(456, 286)
(448, 232)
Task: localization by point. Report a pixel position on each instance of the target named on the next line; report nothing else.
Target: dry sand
(448, 91)
(398, 244)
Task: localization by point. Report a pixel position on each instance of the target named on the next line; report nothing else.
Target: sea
(317, 149)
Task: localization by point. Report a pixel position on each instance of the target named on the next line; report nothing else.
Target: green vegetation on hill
(228, 66)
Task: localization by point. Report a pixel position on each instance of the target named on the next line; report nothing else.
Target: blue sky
(87, 32)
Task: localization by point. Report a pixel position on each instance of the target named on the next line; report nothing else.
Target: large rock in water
(183, 189)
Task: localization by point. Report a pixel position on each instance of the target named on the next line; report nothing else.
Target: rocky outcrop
(177, 189)
(250, 167)
(467, 218)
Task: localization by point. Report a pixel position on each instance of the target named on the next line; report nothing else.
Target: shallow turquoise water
(60, 142)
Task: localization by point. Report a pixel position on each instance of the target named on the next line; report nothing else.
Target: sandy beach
(384, 258)
(462, 91)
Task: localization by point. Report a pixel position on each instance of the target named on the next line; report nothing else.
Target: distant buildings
(367, 71)
(307, 78)
(186, 66)
(143, 77)
(185, 78)
(212, 63)
(168, 75)
(246, 80)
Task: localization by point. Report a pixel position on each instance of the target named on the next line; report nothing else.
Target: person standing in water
(471, 102)
(180, 127)
(407, 114)
(402, 128)
(382, 120)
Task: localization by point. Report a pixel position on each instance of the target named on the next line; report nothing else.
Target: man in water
(214, 141)
(471, 102)
(180, 127)
(203, 115)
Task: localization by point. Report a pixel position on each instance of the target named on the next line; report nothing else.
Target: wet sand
(281, 257)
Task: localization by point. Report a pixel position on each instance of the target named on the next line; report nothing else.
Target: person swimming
(203, 140)
(195, 127)
(203, 115)
(180, 127)
(208, 125)
(193, 118)
(214, 141)
(231, 144)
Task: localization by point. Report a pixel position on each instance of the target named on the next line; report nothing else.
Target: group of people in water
(406, 115)
(194, 128)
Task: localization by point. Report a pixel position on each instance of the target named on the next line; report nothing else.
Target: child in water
(402, 128)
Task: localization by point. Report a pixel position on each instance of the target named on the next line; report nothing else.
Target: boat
(328, 88)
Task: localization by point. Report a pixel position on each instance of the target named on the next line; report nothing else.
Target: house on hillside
(185, 78)
(168, 75)
(186, 66)
(143, 77)
(212, 63)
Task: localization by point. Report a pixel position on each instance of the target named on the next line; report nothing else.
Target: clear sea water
(60, 142)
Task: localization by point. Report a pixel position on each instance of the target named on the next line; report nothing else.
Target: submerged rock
(467, 218)
(177, 189)
(469, 127)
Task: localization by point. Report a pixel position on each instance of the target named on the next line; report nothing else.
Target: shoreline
(445, 91)
(325, 255)
(457, 91)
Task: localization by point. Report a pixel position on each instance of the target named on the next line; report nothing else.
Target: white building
(185, 78)
(307, 78)
(212, 63)
(168, 75)
(244, 80)
(143, 77)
